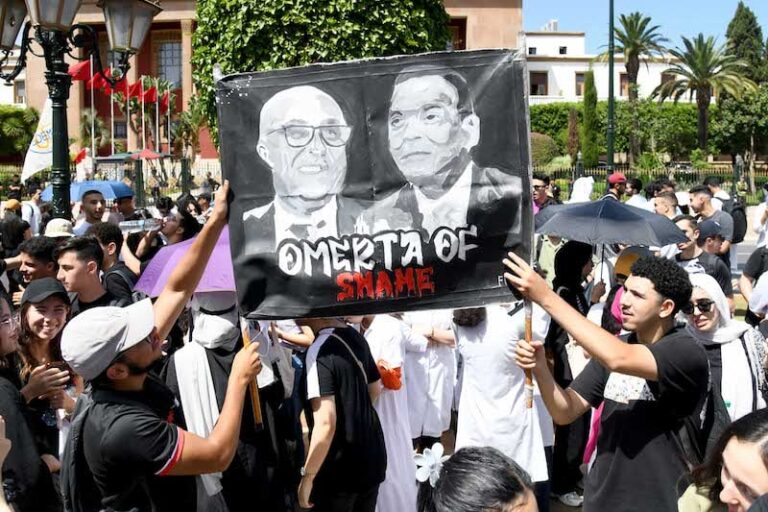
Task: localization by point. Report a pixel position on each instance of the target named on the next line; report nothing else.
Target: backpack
(735, 208)
(78, 487)
(136, 295)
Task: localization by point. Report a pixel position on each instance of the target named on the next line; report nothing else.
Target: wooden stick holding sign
(253, 387)
(528, 339)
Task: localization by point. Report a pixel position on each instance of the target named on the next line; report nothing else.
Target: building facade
(558, 61)
(167, 54)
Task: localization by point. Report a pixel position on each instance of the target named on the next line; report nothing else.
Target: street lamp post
(611, 120)
(127, 22)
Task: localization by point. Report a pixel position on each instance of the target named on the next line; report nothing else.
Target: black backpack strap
(752, 375)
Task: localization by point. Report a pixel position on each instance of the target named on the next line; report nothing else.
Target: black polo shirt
(130, 444)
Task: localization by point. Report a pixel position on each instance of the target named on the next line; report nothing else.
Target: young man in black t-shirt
(346, 460)
(648, 385)
(80, 259)
(693, 259)
(118, 279)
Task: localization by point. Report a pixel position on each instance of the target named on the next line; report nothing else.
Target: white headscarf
(582, 190)
(739, 371)
(215, 318)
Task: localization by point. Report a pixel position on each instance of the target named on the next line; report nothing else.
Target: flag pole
(112, 117)
(93, 117)
(169, 119)
(143, 125)
(128, 118)
(157, 115)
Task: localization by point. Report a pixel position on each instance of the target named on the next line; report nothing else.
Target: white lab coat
(493, 410)
(432, 374)
(387, 337)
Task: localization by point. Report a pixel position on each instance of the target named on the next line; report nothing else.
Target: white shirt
(760, 227)
(81, 228)
(718, 198)
(448, 210)
(639, 201)
(30, 212)
(320, 223)
(493, 409)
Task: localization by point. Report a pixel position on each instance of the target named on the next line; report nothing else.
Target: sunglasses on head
(703, 305)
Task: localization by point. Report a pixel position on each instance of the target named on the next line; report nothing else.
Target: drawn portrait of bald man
(303, 134)
(432, 128)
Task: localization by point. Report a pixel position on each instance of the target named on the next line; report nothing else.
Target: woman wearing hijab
(736, 352)
(573, 264)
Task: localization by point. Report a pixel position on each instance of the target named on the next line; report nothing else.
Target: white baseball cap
(93, 339)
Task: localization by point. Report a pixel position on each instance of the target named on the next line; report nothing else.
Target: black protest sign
(378, 185)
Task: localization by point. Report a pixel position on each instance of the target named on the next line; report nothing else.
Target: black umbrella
(608, 222)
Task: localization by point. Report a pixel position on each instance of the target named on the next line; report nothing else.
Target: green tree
(589, 147)
(243, 35)
(745, 41)
(573, 133)
(639, 41)
(17, 127)
(704, 69)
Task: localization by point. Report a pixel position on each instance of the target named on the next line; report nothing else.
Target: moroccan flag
(135, 90)
(164, 101)
(98, 81)
(80, 71)
(150, 95)
(80, 156)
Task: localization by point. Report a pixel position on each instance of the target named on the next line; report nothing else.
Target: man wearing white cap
(124, 443)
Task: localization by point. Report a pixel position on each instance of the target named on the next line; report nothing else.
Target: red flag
(164, 101)
(98, 81)
(80, 156)
(80, 71)
(120, 87)
(135, 90)
(150, 95)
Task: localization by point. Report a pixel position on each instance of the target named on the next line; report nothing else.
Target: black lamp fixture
(127, 22)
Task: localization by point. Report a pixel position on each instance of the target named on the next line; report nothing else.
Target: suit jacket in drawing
(258, 260)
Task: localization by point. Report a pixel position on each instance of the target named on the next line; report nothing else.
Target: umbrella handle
(528, 339)
(253, 388)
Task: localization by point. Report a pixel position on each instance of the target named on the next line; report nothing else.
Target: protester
(122, 445)
(756, 265)
(48, 383)
(189, 204)
(164, 207)
(573, 264)
(80, 260)
(30, 210)
(665, 203)
(617, 183)
(198, 375)
(347, 459)
(540, 197)
(719, 196)
(634, 193)
(125, 208)
(701, 204)
(204, 200)
(760, 219)
(492, 406)
(12, 208)
(37, 261)
(15, 188)
(27, 481)
(473, 480)
(649, 384)
(59, 230)
(736, 472)
(430, 364)
(117, 278)
(93, 209)
(387, 338)
(693, 259)
(735, 350)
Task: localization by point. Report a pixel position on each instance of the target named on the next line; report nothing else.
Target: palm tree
(706, 69)
(102, 135)
(639, 41)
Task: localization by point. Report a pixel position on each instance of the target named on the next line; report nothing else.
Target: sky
(676, 17)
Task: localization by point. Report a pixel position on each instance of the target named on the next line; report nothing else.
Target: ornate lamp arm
(21, 62)
(85, 37)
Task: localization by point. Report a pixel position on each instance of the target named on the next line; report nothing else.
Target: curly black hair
(669, 280)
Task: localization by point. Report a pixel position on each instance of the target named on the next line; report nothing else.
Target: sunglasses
(703, 305)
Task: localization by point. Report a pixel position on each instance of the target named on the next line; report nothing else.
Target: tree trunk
(633, 66)
(703, 123)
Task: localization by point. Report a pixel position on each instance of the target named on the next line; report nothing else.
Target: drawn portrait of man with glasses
(432, 128)
(303, 134)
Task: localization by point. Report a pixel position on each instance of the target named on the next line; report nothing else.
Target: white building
(557, 62)
(15, 93)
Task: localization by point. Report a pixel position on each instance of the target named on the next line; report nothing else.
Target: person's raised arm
(185, 277)
(324, 416)
(609, 351)
(443, 336)
(214, 453)
(303, 339)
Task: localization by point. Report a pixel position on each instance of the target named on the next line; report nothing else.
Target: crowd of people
(649, 394)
